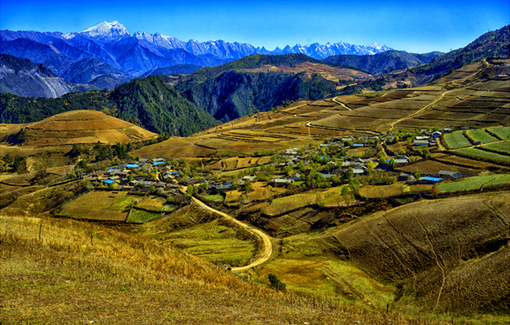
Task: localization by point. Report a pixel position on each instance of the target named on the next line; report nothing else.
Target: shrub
(275, 283)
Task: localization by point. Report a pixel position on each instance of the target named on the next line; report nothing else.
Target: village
(371, 159)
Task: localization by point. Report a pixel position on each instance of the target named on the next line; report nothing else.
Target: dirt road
(268, 247)
(341, 104)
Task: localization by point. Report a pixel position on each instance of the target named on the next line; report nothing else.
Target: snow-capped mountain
(134, 55)
(113, 30)
(229, 51)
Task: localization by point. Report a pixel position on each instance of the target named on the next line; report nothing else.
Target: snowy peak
(106, 29)
(168, 42)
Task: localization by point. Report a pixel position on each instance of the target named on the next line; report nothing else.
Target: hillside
(230, 91)
(490, 45)
(377, 240)
(147, 102)
(382, 62)
(82, 127)
(261, 82)
(94, 274)
(473, 96)
(437, 251)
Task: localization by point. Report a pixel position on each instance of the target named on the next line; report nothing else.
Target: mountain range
(141, 52)
(231, 90)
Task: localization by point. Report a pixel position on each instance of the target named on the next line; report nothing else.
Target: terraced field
(481, 136)
(475, 183)
(483, 154)
(499, 147)
(456, 140)
(502, 132)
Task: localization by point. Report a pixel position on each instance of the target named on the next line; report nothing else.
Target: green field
(456, 140)
(482, 154)
(215, 198)
(289, 203)
(474, 183)
(499, 147)
(480, 135)
(141, 216)
(502, 132)
(212, 241)
(98, 205)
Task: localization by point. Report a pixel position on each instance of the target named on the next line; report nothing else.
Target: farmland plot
(499, 147)
(456, 140)
(502, 132)
(479, 135)
(482, 154)
(474, 183)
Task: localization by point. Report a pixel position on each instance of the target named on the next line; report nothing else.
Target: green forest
(233, 94)
(147, 102)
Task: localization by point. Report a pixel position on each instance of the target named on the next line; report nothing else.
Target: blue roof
(432, 179)
(132, 165)
(358, 145)
(158, 163)
(109, 181)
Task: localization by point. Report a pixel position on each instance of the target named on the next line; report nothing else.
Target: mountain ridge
(23, 77)
(141, 52)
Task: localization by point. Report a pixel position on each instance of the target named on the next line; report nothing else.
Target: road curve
(268, 247)
(341, 104)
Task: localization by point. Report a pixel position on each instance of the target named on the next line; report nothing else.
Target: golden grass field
(83, 127)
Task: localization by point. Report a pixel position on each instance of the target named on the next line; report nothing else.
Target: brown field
(372, 112)
(466, 162)
(432, 167)
(383, 191)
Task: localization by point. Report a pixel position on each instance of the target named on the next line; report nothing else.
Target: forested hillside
(492, 44)
(146, 102)
(234, 94)
(236, 89)
(382, 62)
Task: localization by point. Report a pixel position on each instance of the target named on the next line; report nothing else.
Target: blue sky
(413, 26)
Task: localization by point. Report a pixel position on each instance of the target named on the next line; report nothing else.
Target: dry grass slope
(450, 254)
(61, 271)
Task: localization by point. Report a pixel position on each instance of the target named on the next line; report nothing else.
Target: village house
(401, 161)
(296, 177)
(448, 174)
(436, 134)
(223, 187)
(419, 143)
(281, 181)
(250, 178)
(429, 180)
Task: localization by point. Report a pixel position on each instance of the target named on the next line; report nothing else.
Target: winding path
(341, 104)
(420, 110)
(268, 247)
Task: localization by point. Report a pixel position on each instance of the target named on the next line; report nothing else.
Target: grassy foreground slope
(62, 271)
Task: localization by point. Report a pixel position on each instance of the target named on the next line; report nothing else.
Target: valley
(345, 197)
(384, 207)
